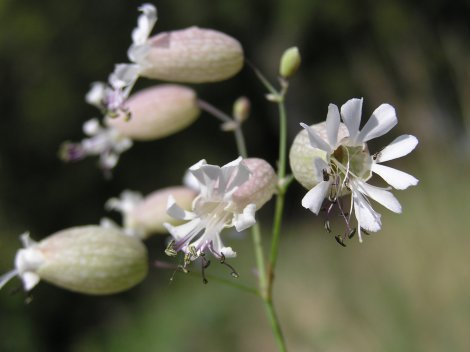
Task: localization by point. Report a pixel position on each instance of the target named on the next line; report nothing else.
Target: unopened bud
(192, 55)
(290, 62)
(302, 155)
(143, 217)
(87, 259)
(260, 187)
(241, 109)
(157, 112)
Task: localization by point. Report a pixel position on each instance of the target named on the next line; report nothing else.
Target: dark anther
(339, 239)
(233, 271)
(365, 232)
(327, 226)
(352, 233)
(326, 177)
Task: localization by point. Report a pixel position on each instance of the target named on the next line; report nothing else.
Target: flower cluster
(330, 159)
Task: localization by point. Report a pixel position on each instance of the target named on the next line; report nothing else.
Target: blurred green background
(406, 288)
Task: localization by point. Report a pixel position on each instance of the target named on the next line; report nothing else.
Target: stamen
(233, 271)
(339, 239)
(204, 265)
(170, 249)
(352, 233)
(327, 226)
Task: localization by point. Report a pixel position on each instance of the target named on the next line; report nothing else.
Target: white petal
(176, 212)
(228, 252)
(123, 75)
(351, 112)
(242, 175)
(182, 231)
(26, 240)
(190, 181)
(30, 280)
(109, 224)
(401, 146)
(319, 165)
(366, 217)
(314, 198)
(383, 119)
(246, 219)
(395, 178)
(126, 203)
(218, 248)
(332, 124)
(196, 171)
(7, 277)
(145, 23)
(96, 94)
(315, 140)
(91, 127)
(382, 196)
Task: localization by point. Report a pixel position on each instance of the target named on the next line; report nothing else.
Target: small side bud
(241, 109)
(192, 55)
(86, 259)
(290, 62)
(157, 112)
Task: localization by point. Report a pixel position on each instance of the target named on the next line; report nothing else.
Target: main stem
(266, 283)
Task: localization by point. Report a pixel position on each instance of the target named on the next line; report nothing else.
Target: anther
(352, 233)
(170, 249)
(326, 177)
(233, 271)
(339, 239)
(327, 226)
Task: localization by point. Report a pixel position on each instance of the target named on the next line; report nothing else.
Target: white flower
(110, 97)
(348, 166)
(212, 211)
(105, 141)
(27, 261)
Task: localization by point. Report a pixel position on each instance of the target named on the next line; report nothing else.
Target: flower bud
(241, 109)
(259, 188)
(302, 155)
(290, 62)
(87, 259)
(144, 217)
(192, 55)
(157, 112)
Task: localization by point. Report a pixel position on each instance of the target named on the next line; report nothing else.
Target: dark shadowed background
(406, 288)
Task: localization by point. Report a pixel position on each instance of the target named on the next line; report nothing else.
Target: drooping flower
(86, 259)
(157, 112)
(340, 164)
(229, 197)
(105, 141)
(191, 55)
(110, 97)
(145, 216)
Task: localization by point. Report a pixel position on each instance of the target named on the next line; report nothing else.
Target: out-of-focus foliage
(404, 289)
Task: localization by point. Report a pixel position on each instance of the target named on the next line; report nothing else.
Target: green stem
(280, 197)
(275, 326)
(259, 256)
(240, 140)
(266, 283)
